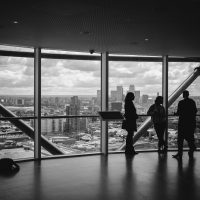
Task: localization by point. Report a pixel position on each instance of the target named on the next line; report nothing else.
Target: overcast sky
(69, 77)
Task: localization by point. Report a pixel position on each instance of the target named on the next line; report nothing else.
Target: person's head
(130, 96)
(159, 100)
(185, 94)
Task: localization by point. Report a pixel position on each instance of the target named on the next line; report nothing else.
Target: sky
(71, 77)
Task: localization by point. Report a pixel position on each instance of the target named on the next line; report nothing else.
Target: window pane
(17, 97)
(17, 84)
(71, 87)
(76, 135)
(14, 143)
(142, 78)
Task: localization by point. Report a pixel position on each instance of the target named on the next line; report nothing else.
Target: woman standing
(129, 124)
(157, 112)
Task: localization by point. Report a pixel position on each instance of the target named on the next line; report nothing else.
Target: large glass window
(17, 98)
(178, 73)
(144, 79)
(71, 89)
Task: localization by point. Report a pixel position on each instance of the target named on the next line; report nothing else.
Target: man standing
(186, 125)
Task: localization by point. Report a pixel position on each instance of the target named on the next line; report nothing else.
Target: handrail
(50, 117)
(72, 116)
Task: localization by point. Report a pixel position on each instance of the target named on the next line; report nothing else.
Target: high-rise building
(137, 96)
(19, 102)
(99, 97)
(116, 106)
(73, 124)
(113, 95)
(132, 88)
(145, 98)
(67, 124)
(119, 93)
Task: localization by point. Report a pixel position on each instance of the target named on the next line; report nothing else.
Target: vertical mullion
(165, 92)
(104, 101)
(37, 102)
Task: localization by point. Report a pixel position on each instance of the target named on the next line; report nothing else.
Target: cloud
(83, 77)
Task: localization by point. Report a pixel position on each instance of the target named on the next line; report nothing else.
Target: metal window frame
(104, 58)
(104, 101)
(37, 103)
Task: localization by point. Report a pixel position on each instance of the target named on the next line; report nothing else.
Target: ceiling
(140, 27)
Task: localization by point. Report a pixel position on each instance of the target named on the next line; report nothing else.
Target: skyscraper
(113, 95)
(119, 93)
(137, 96)
(144, 98)
(132, 88)
(75, 110)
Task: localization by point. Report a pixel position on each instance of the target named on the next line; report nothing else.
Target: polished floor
(146, 176)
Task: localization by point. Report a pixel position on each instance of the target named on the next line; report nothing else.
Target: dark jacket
(157, 113)
(187, 114)
(130, 116)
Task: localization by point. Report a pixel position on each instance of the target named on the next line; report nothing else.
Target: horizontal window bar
(88, 57)
(69, 116)
(16, 118)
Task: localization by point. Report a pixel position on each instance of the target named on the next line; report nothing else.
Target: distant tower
(137, 96)
(68, 120)
(119, 93)
(132, 88)
(99, 97)
(75, 110)
(113, 95)
(144, 98)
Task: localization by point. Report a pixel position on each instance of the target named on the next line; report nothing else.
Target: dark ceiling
(140, 27)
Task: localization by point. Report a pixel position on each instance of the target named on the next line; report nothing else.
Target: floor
(145, 176)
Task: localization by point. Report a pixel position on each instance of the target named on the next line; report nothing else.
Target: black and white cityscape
(80, 133)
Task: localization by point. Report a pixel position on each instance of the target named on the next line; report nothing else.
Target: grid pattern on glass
(17, 85)
(144, 79)
(76, 135)
(14, 143)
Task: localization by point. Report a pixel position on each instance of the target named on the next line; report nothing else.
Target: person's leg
(160, 134)
(129, 140)
(129, 143)
(180, 143)
(180, 146)
(191, 144)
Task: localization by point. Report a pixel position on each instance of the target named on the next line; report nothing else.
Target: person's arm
(151, 110)
(195, 107)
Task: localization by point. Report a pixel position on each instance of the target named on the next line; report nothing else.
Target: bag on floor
(8, 165)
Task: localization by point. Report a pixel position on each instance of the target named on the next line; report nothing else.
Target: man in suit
(186, 125)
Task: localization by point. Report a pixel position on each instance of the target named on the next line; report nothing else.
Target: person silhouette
(157, 112)
(129, 124)
(186, 125)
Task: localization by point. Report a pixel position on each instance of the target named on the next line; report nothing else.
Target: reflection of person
(157, 112)
(186, 125)
(130, 122)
